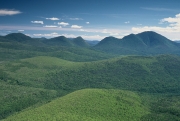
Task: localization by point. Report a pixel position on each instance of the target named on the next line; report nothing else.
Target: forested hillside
(44, 75)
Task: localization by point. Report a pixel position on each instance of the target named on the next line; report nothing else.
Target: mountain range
(72, 79)
(145, 43)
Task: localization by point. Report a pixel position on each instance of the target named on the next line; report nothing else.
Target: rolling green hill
(158, 74)
(88, 105)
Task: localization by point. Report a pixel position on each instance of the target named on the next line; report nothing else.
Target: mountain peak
(147, 42)
(151, 39)
(60, 40)
(17, 37)
(79, 41)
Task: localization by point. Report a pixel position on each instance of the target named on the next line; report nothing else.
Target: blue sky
(91, 19)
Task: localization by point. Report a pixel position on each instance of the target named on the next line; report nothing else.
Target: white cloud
(171, 30)
(174, 22)
(5, 12)
(76, 27)
(105, 31)
(37, 22)
(173, 25)
(87, 22)
(86, 37)
(93, 37)
(28, 35)
(53, 19)
(91, 31)
(159, 9)
(37, 35)
(82, 30)
(20, 30)
(127, 22)
(63, 23)
(76, 19)
(54, 34)
(50, 26)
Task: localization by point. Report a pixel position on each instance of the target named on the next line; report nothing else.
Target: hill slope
(139, 73)
(88, 105)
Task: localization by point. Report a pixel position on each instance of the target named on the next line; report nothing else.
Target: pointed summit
(79, 41)
(153, 39)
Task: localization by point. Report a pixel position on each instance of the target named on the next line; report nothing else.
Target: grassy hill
(88, 105)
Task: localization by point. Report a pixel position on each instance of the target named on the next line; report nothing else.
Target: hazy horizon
(92, 20)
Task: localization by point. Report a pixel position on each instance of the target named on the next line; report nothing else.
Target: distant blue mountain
(92, 42)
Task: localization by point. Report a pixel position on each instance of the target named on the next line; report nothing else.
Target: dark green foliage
(144, 74)
(15, 98)
(156, 75)
(164, 108)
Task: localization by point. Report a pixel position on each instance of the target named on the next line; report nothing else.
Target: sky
(90, 19)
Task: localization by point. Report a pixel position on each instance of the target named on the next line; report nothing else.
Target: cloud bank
(171, 30)
(76, 27)
(53, 19)
(76, 19)
(37, 22)
(50, 26)
(6, 12)
(63, 23)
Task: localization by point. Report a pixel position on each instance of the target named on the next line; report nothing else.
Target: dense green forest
(69, 79)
